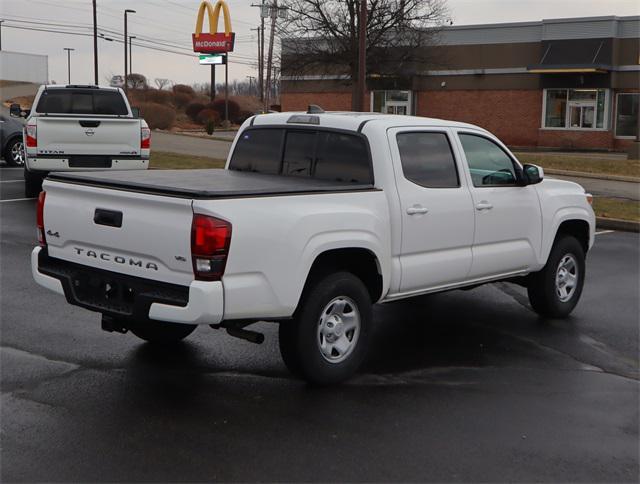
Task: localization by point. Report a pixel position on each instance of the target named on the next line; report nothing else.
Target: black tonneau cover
(205, 184)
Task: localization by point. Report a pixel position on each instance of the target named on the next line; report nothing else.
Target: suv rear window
(82, 101)
(320, 154)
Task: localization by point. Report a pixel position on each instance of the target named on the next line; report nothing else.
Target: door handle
(484, 205)
(417, 210)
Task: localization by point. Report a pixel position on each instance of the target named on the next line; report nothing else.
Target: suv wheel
(161, 332)
(14, 152)
(327, 339)
(555, 290)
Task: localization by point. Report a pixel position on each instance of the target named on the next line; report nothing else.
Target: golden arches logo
(214, 16)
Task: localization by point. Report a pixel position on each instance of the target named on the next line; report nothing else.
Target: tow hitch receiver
(112, 324)
(236, 329)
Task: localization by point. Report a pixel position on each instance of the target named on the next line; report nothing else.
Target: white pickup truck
(72, 128)
(316, 217)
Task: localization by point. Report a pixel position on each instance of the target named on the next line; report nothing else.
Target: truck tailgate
(88, 136)
(131, 233)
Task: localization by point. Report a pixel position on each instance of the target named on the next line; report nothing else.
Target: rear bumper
(126, 297)
(63, 164)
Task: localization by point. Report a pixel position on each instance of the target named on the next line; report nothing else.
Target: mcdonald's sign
(213, 42)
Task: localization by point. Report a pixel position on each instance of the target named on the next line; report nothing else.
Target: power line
(236, 59)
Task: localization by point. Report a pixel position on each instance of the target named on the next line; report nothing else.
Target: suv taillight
(40, 219)
(210, 240)
(145, 138)
(31, 135)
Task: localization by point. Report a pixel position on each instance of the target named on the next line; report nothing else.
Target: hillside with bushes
(183, 107)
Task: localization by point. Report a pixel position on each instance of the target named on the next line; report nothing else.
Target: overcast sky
(172, 22)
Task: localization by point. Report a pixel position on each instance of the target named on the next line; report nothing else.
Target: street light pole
(130, 54)
(362, 56)
(68, 49)
(126, 64)
(95, 43)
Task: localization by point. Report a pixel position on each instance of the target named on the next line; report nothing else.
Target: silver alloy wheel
(567, 277)
(17, 153)
(338, 329)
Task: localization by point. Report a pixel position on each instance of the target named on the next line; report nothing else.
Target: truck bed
(206, 184)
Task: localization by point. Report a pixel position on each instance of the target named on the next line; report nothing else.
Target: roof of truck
(352, 121)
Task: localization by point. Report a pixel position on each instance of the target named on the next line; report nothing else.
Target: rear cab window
(81, 101)
(310, 153)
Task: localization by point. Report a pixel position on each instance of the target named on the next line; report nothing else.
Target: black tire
(160, 332)
(300, 340)
(32, 184)
(543, 293)
(10, 156)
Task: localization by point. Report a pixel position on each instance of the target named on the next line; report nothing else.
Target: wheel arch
(360, 261)
(570, 222)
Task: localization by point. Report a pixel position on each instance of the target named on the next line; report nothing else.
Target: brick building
(563, 83)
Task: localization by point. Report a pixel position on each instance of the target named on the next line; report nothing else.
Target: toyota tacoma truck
(316, 217)
(73, 128)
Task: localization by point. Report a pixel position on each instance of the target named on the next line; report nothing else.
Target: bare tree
(161, 83)
(321, 36)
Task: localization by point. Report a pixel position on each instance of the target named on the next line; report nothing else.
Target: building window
(627, 106)
(575, 108)
(391, 102)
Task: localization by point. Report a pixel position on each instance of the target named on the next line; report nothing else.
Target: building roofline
(537, 23)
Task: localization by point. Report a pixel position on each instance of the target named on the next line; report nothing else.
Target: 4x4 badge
(53, 234)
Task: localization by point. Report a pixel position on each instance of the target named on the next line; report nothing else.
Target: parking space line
(602, 232)
(11, 181)
(16, 200)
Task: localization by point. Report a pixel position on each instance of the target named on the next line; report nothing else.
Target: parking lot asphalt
(462, 386)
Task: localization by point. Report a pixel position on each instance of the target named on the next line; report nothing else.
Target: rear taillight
(40, 219)
(210, 240)
(31, 135)
(145, 138)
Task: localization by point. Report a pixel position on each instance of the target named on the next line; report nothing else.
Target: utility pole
(274, 17)
(68, 49)
(264, 13)
(260, 62)
(130, 56)
(1, 22)
(95, 43)
(213, 82)
(126, 66)
(362, 57)
(226, 88)
(251, 78)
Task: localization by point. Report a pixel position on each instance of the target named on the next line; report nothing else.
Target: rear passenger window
(342, 157)
(258, 150)
(427, 160)
(298, 153)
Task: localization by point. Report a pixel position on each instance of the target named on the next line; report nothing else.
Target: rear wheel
(327, 339)
(32, 184)
(555, 290)
(161, 332)
(14, 152)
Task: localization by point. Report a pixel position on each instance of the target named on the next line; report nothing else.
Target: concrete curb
(202, 136)
(617, 224)
(597, 176)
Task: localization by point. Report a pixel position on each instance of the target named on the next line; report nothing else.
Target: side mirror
(532, 174)
(135, 112)
(15, 111)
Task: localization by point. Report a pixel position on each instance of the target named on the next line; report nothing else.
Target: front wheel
(161, 332)
(327, 339)
(555, 290)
